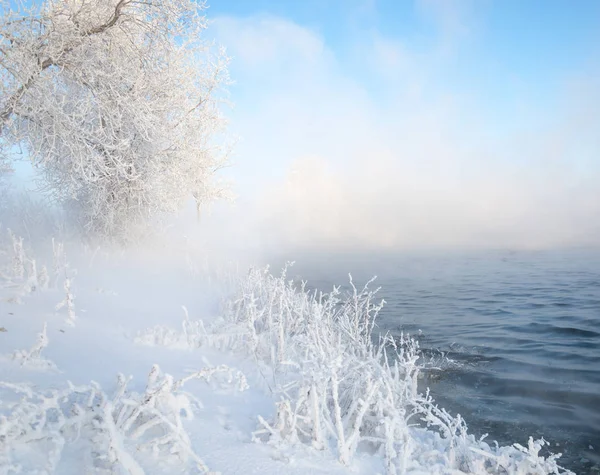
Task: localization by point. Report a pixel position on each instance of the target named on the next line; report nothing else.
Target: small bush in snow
(69, 303)
(18, 264)
(111, 431)
(19, 272)
(33, 358)
(192, 335)
(340, 389)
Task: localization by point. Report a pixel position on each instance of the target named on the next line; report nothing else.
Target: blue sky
(402, 123)
(498, 49)
(513, 59)
(467, 121)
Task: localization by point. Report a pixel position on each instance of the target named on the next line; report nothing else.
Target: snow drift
(323, 385)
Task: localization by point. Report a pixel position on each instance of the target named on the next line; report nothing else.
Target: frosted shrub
(192, 335)
(18, 267)
(68, 303)
(30, 419)
(43, 279)
(32, 284)
(13, 267)
(339, 389)
(33, 357)
(60, 266)
(19, 273)
(110, 430)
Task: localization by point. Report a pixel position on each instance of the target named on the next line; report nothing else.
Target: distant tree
(116, 103)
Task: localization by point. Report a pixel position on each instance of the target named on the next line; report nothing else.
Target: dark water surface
(515, 335)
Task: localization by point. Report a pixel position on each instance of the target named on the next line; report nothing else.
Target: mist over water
(511, 340)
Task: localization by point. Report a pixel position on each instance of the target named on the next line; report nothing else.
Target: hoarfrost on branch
(116, 103)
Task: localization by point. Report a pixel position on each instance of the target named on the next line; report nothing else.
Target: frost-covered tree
(115, 102)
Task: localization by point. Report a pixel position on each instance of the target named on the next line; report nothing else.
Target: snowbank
(273, 379)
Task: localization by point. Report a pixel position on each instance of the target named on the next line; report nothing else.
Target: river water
(511, 339)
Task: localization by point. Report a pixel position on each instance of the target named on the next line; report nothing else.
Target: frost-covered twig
(338, 387)
(112, 430)
(69, 303)
(18, 264)
(60, 265)
(33, 358)
(192, 335)
(337, 384)
(20, 272)
(118, 106)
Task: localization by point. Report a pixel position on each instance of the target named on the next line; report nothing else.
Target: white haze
(325, 162)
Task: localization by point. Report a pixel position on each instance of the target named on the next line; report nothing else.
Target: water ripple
(519, 332)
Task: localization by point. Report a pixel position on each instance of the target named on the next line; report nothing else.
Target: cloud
(265, 41)
(453, 18)
(389, 156)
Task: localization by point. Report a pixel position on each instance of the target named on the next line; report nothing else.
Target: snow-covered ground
(151, 361)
